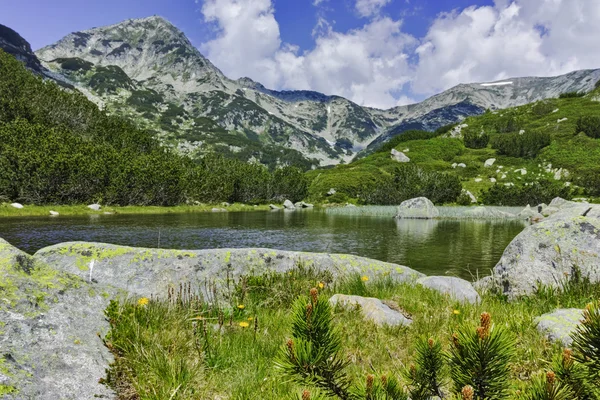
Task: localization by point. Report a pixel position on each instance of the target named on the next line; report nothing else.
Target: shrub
(405, 137)
(542, 108)
(571, 95)
(527, 145)
(507, 123)
(519, 195)
(590, 181)
(475, 140)
(590, 125)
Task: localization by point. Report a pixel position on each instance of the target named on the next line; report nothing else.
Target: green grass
(160, 355)
(6, 210)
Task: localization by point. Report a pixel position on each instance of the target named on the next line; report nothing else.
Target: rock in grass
(419, 208)
(53, 213)
(288, 205)
(399, 156)
(551, 251)
(372, 309)
(558, 325)
(457, 288)
(489, 162)
(95, 207)
(17, 205)
(274, 207)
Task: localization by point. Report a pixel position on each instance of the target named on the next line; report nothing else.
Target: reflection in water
(461, 247)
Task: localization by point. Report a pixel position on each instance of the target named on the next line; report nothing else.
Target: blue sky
(376, 52)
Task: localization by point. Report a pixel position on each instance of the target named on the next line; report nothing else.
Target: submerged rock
(420, 208)
(456, 288)
(551, 251)
(560, 324)
(372, 309)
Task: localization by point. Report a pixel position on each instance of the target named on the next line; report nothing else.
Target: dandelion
(250, 318)
(143, 301)
(244, 324)
(321, 285)
(456, 312)
(364, 278)
(241, 306)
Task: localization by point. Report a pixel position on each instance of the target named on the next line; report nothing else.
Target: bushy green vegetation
(242, 342)
(590, 125)
(475, 140)
(571, 95)
(56, 147)
(522, 145)
(537, 192)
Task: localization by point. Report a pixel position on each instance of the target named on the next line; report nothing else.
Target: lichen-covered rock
(372, 309)
(145, 272)
(457, 288)
(527, 212)
(420, 208)
(49, 339)
(551, 251)
(559, 325)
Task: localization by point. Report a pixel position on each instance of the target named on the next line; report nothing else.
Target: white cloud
(370, 65)
(365, 65)
(509, 39)
(367, 8)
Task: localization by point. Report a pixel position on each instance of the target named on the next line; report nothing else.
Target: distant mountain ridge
(147, 69)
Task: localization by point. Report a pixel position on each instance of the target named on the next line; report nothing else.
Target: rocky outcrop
(49, 339)
(288, 205)
(560, 324)
(552, 251)
(420, 208)
(372, 309)
(148, 272)
(456, 288)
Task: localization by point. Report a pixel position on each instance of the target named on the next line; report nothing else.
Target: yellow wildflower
(364, 278)
(241, 306)
(321, 285)
(143, 301)
(244, 324)
(250, 318)
(456, 312)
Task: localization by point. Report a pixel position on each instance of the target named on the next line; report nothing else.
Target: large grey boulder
(527, 212)
(372, 309)
(50, 326)
(456, 288)
(288, 205)
(146, 272)
(560, 324)
(420, 207)
(552, 251)
(399, 156)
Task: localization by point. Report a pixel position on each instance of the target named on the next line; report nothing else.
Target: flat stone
(457, 288)
(372, 309)
(560, 324)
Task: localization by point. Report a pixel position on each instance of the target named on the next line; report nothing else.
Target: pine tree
(480, 358)
(424, 379)
(547, 387)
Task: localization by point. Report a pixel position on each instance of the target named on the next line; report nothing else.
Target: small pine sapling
(547, 387)
(311, 356)
(424, 378)
(586, 342)
(480, 358)
(574, 376)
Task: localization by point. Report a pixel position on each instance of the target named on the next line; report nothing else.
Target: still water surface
(462, 248)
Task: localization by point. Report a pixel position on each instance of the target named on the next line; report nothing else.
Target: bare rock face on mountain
(564, 246)
(148, 70)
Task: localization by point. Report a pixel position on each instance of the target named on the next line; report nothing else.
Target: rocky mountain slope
(147, 69)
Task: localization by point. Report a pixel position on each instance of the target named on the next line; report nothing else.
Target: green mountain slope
(539, 151)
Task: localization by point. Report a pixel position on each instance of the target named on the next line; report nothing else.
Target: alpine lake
(467, 248)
